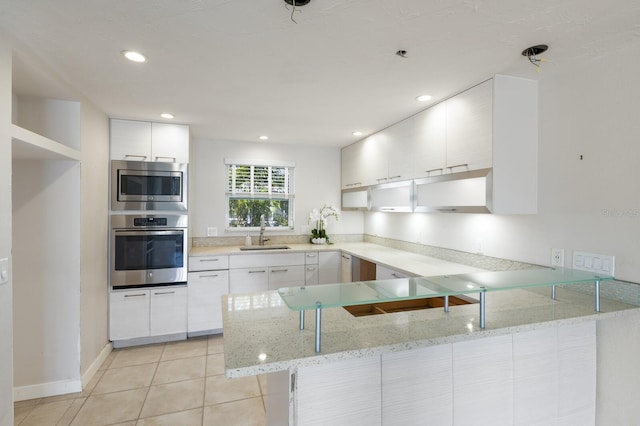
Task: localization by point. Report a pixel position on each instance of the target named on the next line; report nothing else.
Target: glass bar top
(365, 292)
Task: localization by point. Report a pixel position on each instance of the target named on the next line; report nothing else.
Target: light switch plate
(598, 263)
(4, 271)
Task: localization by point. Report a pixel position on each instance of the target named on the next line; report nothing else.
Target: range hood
(464, 192)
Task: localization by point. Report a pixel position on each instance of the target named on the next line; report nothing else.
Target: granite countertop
(262, 334)
(404, 261)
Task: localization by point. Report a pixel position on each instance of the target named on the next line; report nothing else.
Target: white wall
(6, 296)
(94, 233)
(317, 182)
(588, 107)
(46, 267)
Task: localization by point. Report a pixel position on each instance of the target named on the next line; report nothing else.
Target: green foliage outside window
(246, 212)
(256, 190)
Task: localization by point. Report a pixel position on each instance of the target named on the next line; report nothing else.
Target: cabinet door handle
(395, 177)
(394, 275)
(208, 276)
(257, 272)
(434, 170)
(135, 295)
(354, 184)
(157, 293)
(170, 158)
(458, 165)
(311, 268)
(209, 260)
(279, 270)
(135, 156)
(346, 257)
(383, 178)
(387, 209)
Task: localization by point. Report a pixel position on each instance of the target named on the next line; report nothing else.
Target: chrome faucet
(263, 226)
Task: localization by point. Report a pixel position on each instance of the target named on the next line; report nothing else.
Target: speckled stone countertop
(262, 334)
(410, 263)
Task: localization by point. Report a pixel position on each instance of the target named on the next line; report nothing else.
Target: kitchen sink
(258, 248)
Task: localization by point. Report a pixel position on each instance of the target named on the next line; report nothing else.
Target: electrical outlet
(557, 257)
(212, 231)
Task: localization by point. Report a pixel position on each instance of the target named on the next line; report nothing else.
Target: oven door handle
(148, 231)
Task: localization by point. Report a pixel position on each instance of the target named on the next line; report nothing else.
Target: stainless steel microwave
(145, 185)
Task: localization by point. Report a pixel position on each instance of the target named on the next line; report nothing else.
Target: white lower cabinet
(385, 273)
(147, 312)
(286, 276)
(206, 289)
(311, 275)
(329, 267)
(248, 280)
(128, 314)
(168, 311)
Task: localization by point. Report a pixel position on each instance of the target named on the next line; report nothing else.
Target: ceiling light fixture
(294, 4)
(533, 51)
(134, 56)
(424, 98)
(264, 138)
(167, 115)
(357, 133)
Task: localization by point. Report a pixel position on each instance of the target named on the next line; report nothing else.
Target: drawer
(311, 258)
(208, 263)
(286, 276)
(265, 260)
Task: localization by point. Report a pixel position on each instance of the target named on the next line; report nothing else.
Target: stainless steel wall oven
(144, 185)
(148, 250)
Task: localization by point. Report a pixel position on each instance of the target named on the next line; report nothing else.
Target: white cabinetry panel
(329, 267)
(248, 280)
(339, 393)
(128, 314)
(311, 275)
(469, 129)
(385, 273)
(147, 141)
(130, 140)
(483, 382)
(430, 142)
(208, 263)
(417, 385)
(168, 311)
(286, 276)
(353, 165)
(205, 291)
(170, 142)
(258, 260)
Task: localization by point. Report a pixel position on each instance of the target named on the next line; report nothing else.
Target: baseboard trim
(42, 390)
(96, 364)
(125, 343)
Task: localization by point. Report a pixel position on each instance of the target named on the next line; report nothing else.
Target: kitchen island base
(542, 376)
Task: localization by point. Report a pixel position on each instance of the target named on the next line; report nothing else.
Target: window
(255, 188)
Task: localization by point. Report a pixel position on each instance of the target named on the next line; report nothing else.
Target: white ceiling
(236, 69)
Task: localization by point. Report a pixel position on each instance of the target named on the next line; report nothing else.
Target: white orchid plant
(319, 219)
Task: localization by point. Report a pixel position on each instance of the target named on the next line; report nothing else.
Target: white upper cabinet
(469, 129)
(430, 149)
(353, 166)
(380, 158)
(399, 143)
(170, 142)
(146, 141)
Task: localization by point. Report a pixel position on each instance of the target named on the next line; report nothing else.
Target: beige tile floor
(178, 383)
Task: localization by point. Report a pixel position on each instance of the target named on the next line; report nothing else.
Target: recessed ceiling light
(134, 56)
(263, 137)
(357, 133)
(167, 115)
(424, 98)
